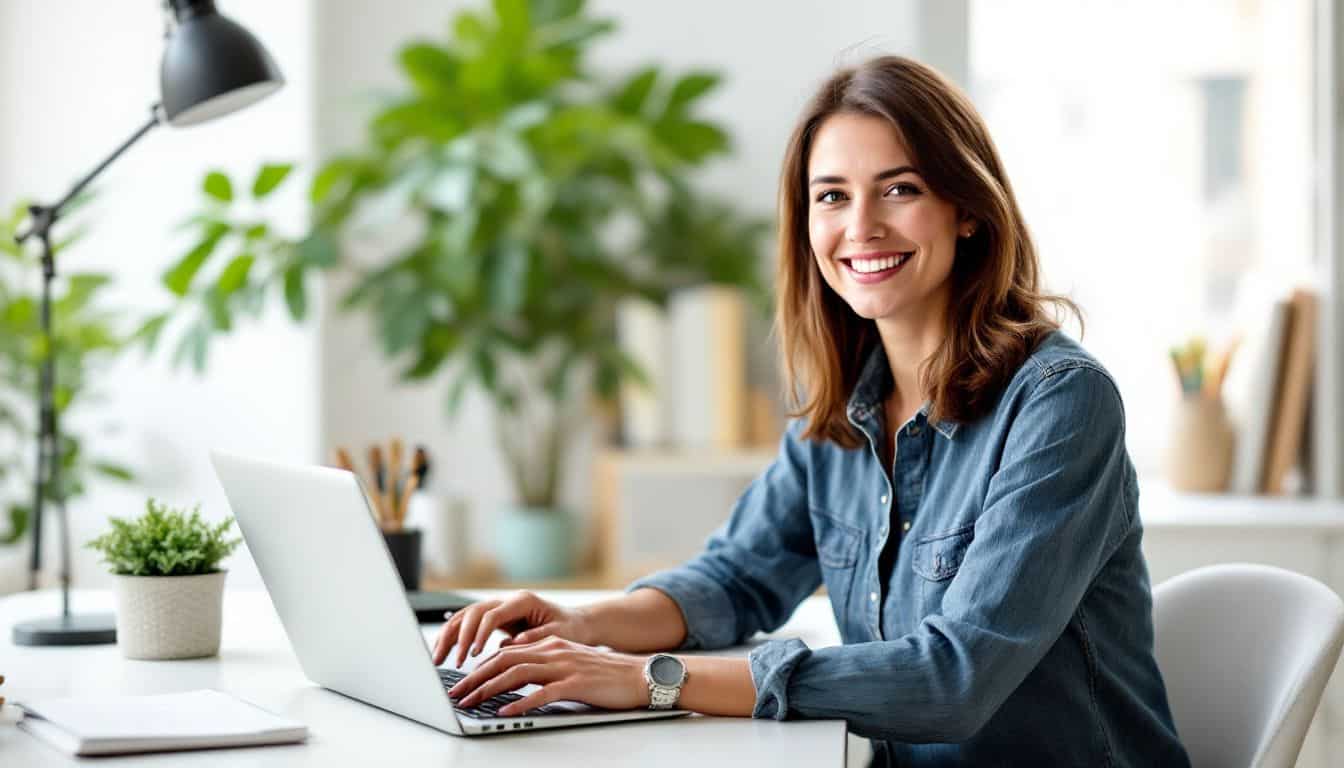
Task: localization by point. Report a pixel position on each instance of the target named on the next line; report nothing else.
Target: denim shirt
(1016, 627)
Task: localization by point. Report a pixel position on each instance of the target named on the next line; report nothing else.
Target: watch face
(666, 670)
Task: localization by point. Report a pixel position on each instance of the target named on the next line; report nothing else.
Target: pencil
(394, 487)
(420, 465)
(379, 484)
(411, 483)
(343, 460)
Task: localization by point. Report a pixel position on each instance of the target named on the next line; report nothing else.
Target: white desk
(255, 663)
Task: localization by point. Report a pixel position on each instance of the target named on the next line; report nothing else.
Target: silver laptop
(334, 586)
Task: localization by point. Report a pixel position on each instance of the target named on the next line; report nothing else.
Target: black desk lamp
(211, 67)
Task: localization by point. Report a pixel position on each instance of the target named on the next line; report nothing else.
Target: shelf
(1162, 507)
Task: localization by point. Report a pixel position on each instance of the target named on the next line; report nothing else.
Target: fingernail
(475, 650)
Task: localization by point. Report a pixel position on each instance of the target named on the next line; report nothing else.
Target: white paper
(160, 716)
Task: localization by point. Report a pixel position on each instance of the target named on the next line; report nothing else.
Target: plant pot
(169, 617)
(534, 544)
(404, 547)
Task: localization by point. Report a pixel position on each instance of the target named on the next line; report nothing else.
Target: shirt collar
(872, 388)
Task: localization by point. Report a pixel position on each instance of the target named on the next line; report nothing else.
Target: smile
(877, 268)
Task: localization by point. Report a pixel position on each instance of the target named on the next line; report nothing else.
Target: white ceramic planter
(169, 617)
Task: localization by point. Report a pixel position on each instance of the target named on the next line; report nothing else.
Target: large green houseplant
(529, 197)
(86, 341)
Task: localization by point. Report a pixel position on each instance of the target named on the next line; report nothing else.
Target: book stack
(1268, 391)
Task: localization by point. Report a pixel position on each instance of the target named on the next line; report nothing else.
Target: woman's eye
(825, 197)
(903, 189)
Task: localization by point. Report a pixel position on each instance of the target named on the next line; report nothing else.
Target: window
(1162, 155)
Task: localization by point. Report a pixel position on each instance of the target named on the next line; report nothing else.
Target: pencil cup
(444, 521)
(404, 546)
(1199, 447)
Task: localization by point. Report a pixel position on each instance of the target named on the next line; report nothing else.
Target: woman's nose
(863, 225)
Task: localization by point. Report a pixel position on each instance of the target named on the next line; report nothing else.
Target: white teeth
(877, 265)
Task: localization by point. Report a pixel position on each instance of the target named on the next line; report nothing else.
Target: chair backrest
(1246, 651)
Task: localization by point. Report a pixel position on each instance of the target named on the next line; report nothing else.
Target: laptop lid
(334, 585)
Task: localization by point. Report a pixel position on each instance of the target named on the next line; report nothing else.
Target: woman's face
(882, 240)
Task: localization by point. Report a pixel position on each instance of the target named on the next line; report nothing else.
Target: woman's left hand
(564, 669)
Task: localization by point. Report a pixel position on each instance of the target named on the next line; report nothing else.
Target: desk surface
(255, 663)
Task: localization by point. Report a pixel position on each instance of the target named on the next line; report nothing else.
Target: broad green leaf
(149, 331)
(256, 232)
(486, 371)
(235, 274)
(687, 90)
(547, 11)
(115, 471)
(404, 319)
(514, 22)
(178, 279)
(435, 345)
(573, 32)
(79, 290)
(218, 186)
(692, 142)
(508, 277)
(18, 523)
(326, 179)
(453, 400)
(269, 177)
(634, 93)
(217, 305)
(318, 250)
(295, 296)
(193, 346)
(431, 68)
(470, 30)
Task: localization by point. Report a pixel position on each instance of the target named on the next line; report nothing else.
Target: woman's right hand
(524, 616)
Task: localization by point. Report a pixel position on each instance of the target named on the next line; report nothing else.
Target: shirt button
(872, 596)
(884, 498)
(905, 526)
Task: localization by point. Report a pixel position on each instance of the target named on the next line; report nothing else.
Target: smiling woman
(956, 476)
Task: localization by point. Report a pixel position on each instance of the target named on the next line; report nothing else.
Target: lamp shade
(212, 66)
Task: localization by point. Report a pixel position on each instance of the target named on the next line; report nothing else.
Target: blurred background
(533, 240)
(521, 251)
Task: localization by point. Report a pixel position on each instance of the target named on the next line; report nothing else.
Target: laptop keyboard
(490, 707)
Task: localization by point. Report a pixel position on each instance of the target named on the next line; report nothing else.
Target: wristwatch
(665, 675)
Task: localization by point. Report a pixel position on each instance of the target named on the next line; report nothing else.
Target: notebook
(108, 725)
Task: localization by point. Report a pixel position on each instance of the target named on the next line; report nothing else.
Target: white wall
(771, 61)
(76, 78)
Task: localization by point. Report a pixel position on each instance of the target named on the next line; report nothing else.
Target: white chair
(1246, 651)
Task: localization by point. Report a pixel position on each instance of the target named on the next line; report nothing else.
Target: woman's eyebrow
(887, 174)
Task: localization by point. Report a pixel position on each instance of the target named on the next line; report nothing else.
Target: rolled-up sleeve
(1055, 511)
(757, 567)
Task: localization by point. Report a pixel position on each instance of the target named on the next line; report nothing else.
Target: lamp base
(77, 629)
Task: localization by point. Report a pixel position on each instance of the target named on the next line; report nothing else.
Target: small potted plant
(170, 589)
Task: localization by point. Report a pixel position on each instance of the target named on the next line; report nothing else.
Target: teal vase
(534, 544)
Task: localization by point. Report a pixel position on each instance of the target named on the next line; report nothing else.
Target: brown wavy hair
(996, 310)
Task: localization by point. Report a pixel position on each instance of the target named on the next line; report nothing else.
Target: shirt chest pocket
(837, 553)
(936, 559)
